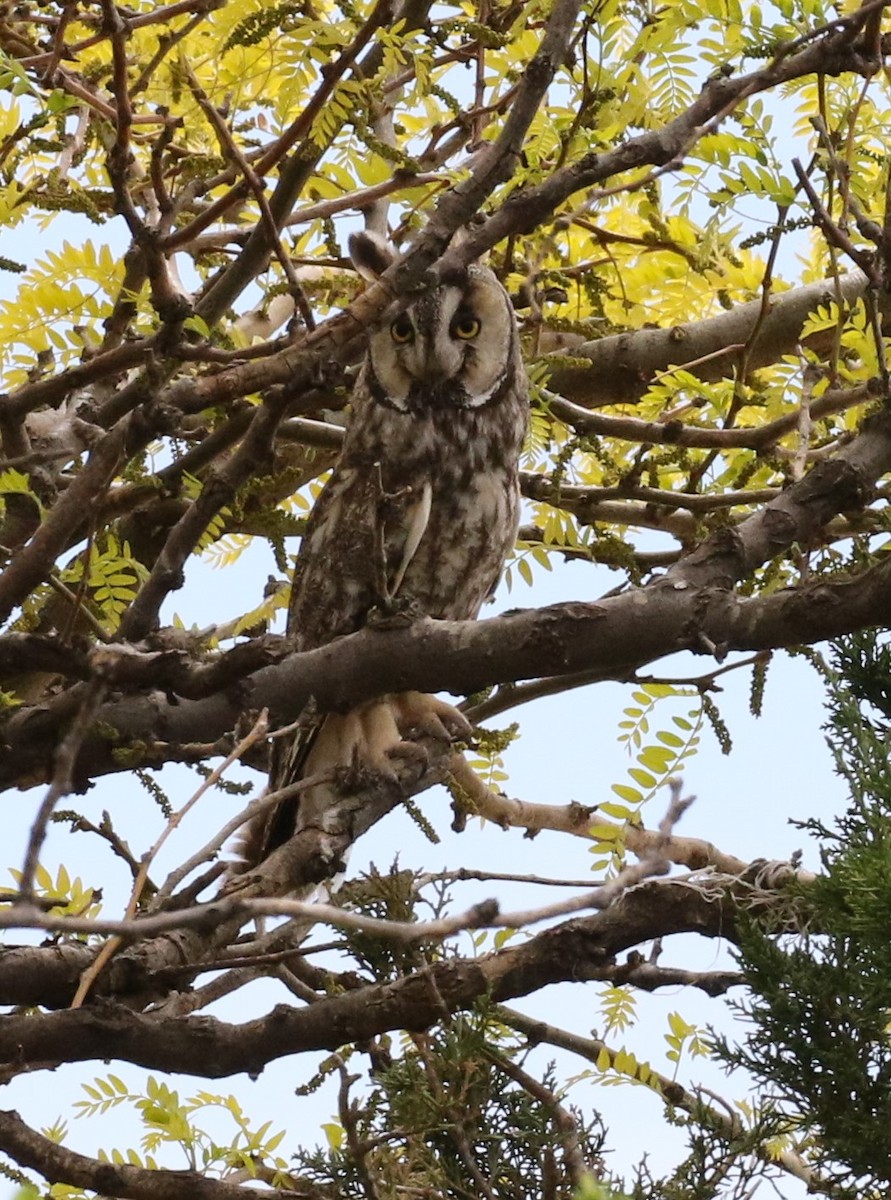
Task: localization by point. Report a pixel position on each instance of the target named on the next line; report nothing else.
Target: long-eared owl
(422, 506)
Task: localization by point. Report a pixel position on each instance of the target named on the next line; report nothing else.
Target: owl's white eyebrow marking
(420, 515)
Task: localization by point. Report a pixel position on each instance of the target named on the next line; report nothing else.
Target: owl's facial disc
(450, 349)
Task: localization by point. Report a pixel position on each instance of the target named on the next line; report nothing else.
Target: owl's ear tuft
(371, 254)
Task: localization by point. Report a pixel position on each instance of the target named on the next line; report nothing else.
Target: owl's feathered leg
(378, 740)
(353, 746)
(381, 730)
(315, 851)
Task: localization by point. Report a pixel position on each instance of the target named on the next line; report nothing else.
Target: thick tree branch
(623, 365)
(608, 639)
(57, 1164)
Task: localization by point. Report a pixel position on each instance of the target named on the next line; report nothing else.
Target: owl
(420, 511)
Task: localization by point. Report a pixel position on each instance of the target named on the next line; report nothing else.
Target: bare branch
(575, 950)
(62, 783)
(114, 944)
(676, 433)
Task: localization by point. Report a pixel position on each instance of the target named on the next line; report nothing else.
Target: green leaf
(605, 833)
(642, 777)
(670, 739)
(334, 1133)
(679, 1026)
(624, 792)
(619, 811)
(656, 758)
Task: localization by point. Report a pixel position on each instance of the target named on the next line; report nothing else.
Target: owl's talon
(409, 752)
(432, 727)
(395, 612)
(382, 767)
(431, 716)
(457, 725)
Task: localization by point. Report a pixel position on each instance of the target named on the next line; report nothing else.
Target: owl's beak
(433, 375)
(436, 364)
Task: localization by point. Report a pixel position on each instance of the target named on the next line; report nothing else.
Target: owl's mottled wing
(334, 583)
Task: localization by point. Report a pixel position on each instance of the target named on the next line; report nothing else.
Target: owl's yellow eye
(465, 327)
(402, 331)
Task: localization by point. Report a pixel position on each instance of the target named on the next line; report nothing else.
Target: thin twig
(113, 945)
(232, 153)
(61, 784)
(564, 1121)
(256, 807)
